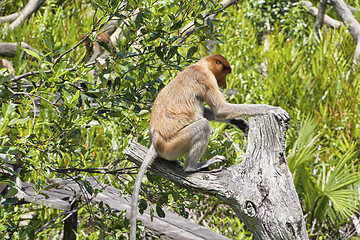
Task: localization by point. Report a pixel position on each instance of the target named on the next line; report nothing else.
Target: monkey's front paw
(280, 114)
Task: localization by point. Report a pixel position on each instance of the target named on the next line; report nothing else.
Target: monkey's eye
(218, 62)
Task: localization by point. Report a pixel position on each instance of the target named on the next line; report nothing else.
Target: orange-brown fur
(94, 47)
(179, 122)
(178, 105)
(6, 64)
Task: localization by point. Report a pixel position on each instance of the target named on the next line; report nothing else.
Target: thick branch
(8, 49)
(348, 19)
(260, 189)
(314, 12)
(320, 18)
(353, 25)
(31, 7)
(118, 33)
(9, 18)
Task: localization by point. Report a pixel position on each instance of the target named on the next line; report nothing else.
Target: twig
(17, 78)
(52, 223)
(207, 213)
(319, 22)
(102, 170)
(237, 148)
(67, 51)
(188, 29)
(48, 224)
(30, 95)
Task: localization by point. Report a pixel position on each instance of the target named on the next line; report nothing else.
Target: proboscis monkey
(179, 122)
(6, 64)
(93, 48)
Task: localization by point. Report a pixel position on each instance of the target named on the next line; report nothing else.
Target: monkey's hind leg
(198, 145)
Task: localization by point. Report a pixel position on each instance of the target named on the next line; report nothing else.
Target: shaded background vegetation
(93, 117)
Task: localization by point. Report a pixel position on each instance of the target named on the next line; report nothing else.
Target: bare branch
(31, 7)
(319, 22)
(119, 32)
(8, 49)
(208, 212)
(354, 28)
(190, 28)
(347, 18)
(28, 74)
(102, 170)
(30, 95)
(330, 22)
(9, 18)
(69, 50)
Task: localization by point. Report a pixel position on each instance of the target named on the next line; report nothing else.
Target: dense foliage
(77, 119)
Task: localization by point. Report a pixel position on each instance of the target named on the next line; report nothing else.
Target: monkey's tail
(148, 160)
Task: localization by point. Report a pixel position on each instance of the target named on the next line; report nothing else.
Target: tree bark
(348, 19)
(9, 18)
(31, 7)
(353, 25)
(260, 189)
(8, 49)
(330, 22)
(319, 22)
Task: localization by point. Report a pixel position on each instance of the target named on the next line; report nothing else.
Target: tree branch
(31, 7)
(260, 189)
(8, 49)
(347, 18)
(319, 22)
(190, 28)
(330, 22)
(9, 18)
(353, 25)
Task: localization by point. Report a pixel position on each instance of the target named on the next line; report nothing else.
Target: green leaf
(88, 187)
(192, 50)
(54, 185)
(18, 121)
(7, 109)
(159, 52)
(177, 25)
(6, 158)
(11, 193)
(159, 211)
(142, 205)
(8, 182)
(44, 194)
(32, 53)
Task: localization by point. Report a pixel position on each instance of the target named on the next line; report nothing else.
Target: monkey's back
(179, 103)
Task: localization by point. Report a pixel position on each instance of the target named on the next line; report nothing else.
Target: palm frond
(305, 145)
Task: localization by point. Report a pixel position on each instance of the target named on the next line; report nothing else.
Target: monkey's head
(87, 43)
(220, 67)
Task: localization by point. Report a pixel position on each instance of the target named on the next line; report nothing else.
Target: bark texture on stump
(260, 189)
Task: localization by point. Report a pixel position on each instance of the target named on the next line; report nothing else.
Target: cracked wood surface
(260, 189)
(172, 227)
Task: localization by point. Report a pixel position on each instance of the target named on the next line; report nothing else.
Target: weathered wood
(260, 189)
(70, 224)
(172, 227)
(54, 198)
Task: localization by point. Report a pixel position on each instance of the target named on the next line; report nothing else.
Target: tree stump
(260, 189)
